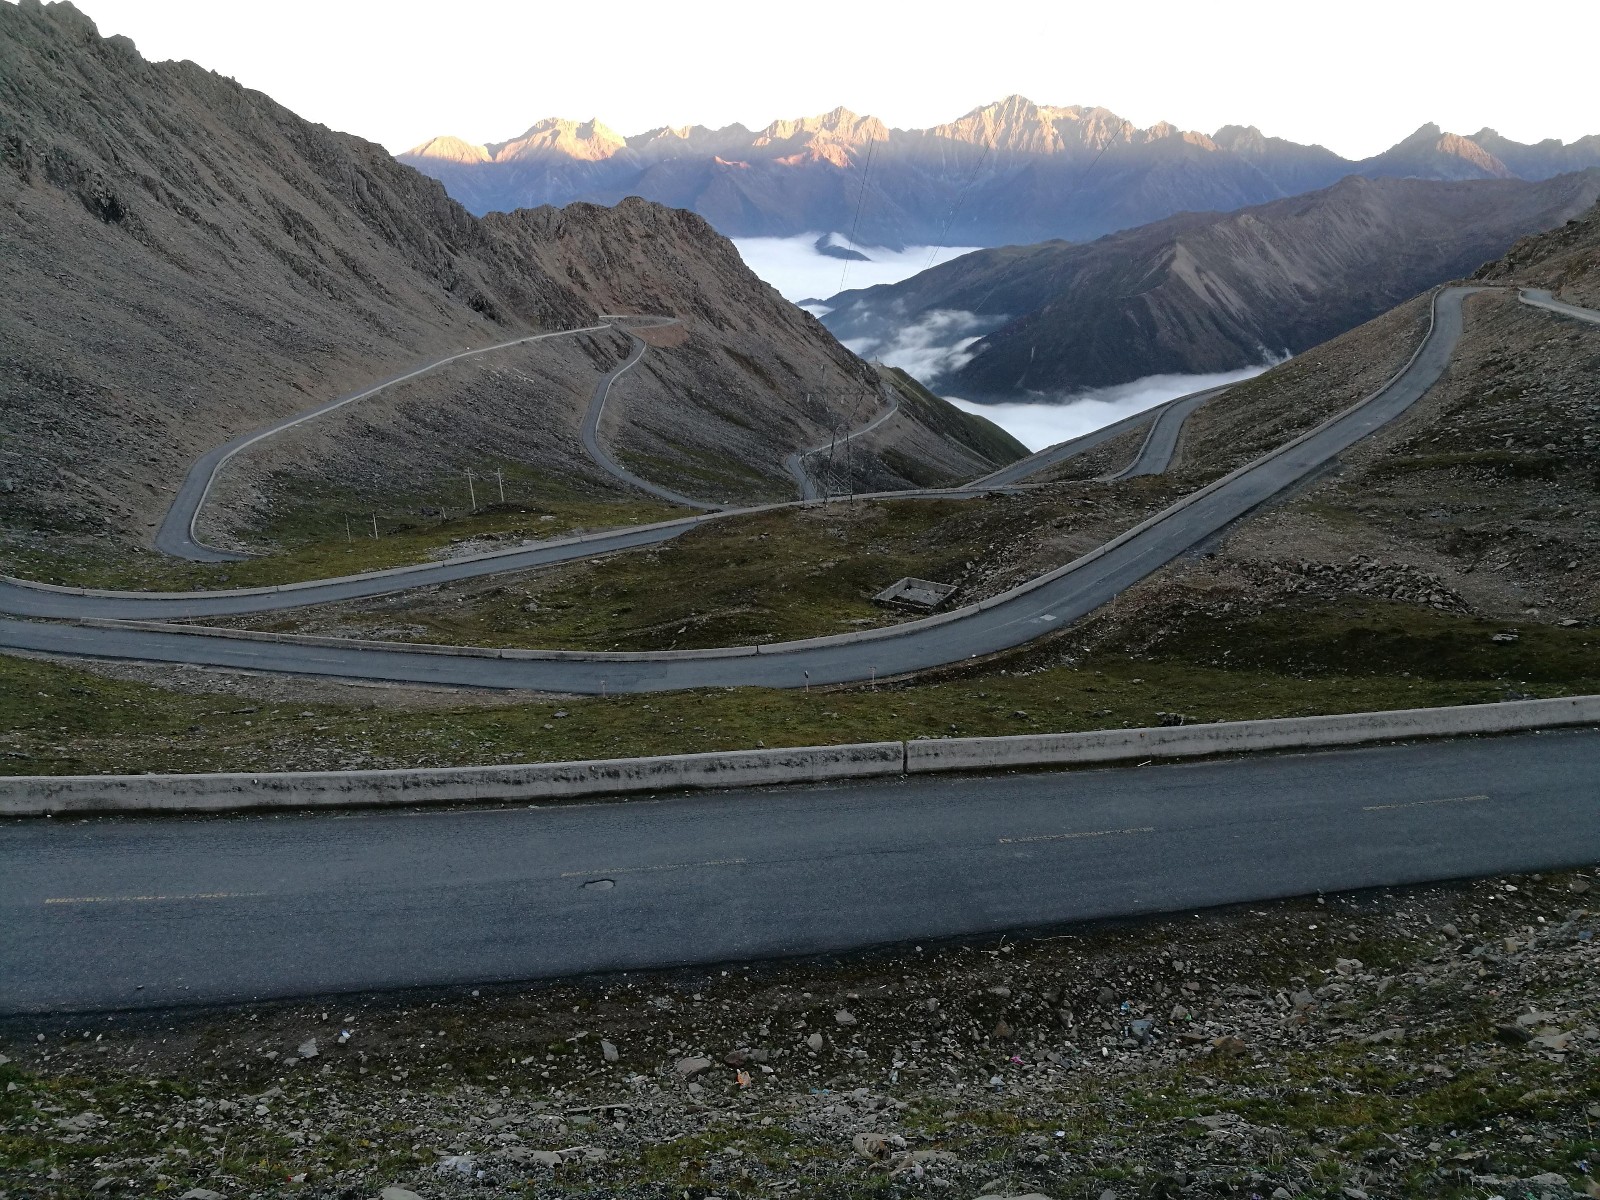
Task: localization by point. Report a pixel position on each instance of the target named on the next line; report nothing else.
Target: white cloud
(799, 272)
(936, 345)
(1039, 425)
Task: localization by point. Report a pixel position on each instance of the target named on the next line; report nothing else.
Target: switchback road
(1009, 620)
(1161, 442)
(107, 913)
(795, 464)
(1025, 613)
(1540, 298)
(177, 535)
(597, 405)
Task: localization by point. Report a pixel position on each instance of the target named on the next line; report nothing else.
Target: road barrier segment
(45, 795)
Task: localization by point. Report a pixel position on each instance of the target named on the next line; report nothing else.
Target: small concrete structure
(919, 593)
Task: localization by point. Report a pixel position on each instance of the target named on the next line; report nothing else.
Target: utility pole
(499, 477)
(471, 491)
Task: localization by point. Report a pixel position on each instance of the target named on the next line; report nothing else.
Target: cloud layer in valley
(799, 271)
(936, 345)
(1039, 425)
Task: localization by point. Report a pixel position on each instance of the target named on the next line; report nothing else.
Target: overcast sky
(1354, 75)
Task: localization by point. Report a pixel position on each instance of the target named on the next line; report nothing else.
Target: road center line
(148, 899)
(1422, 803)
(1066, 837)
(598, 874)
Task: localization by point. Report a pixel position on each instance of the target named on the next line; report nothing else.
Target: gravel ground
(1436, 1041)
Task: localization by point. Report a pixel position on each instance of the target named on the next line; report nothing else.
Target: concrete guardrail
(41, 795)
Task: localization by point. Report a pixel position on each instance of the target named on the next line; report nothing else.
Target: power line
(866, 170)
(1077, 187)
(961, 198)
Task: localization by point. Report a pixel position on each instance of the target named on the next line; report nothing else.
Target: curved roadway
(1041, 460)
(177, 535)
(795, 464)
(111, 914)
(597, 406)
(1540, 298)
(1000, 623)
(1155, 454)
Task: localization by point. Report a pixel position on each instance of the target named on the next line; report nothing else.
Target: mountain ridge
(188, 260)
(1207, 292)
(1006, 172)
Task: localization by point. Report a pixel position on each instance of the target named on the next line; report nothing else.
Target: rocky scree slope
(1463, 538)
(1204, 292)
(1011, 171)
(187, 260)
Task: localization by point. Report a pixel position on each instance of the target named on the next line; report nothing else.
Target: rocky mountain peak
(839, 124)
(583, 141)
(449, 149)
(1425, 135)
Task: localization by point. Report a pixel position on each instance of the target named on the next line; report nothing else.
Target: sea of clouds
(939, 342)
(794, 266)
(1039, 425)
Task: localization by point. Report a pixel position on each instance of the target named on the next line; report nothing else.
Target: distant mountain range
(1008, 172)
(1203, 292)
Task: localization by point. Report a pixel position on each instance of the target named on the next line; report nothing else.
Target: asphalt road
(597, 406)
(795, 464)
(111, 913)
(177, 535)
(1155, 454)
(1040, 460)
(1002, 623)
(1540, 298)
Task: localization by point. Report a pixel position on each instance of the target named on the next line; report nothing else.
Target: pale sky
(1354, 75)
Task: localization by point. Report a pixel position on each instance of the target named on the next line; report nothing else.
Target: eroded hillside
(187, 260)
(1208, 292)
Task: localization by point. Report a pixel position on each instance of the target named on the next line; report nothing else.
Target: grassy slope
(937, 413)
(309, 538)
(1327, 659)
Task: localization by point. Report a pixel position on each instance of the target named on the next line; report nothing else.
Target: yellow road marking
(146, 899)
(1421, 803)
(1066, 837)
(601, 874)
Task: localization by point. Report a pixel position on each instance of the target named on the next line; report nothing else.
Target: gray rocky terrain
(1206, 292)
(186, 259)
(1429, 1042)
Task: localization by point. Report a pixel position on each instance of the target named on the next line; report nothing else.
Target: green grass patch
(328, 531)
(766, 577)
(59, 719)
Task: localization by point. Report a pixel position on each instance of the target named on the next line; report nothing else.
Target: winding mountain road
(1161, 443)
(107, 914)
(597, 405)
(795, 464)
(1016, 617)
(112, 914)
(1041, 460)
(1539, 298)
(177, 535)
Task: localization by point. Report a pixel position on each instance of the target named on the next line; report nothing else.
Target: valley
(498, 699)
